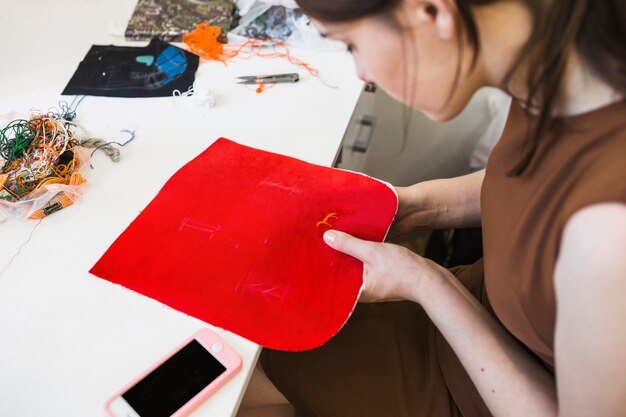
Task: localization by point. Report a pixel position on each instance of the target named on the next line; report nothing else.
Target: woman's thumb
(350, 245)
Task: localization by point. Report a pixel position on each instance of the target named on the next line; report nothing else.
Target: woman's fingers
(363, 250)
(390, 272)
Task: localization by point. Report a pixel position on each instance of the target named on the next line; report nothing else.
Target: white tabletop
(69, 340)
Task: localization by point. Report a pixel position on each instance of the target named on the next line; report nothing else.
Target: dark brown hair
(596, 29)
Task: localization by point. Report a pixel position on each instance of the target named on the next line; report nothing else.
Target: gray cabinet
(374, 142)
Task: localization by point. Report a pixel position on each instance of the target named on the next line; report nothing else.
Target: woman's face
(411, 58)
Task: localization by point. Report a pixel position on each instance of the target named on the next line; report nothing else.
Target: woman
(536, 328)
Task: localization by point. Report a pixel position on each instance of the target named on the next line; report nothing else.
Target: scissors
(268, 79)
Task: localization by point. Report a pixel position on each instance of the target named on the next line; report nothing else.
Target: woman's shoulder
(603, 159)
(586, 166)
(595, 153)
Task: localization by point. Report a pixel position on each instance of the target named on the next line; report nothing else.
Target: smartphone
(180, 382)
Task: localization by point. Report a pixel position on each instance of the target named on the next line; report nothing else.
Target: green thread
(15, 139)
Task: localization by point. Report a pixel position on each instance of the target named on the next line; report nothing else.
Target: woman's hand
(390, 272)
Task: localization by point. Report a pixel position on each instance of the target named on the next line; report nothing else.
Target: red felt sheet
(234, 238)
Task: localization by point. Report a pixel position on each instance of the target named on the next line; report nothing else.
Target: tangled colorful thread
(37, 153)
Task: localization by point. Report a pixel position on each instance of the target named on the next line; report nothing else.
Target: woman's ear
(439, 13)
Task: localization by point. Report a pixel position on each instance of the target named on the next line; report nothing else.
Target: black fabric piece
(126, 71)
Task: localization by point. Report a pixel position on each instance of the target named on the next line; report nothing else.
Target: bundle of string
(203, 41)
(107, 146)
(68, 111)
(39, 152)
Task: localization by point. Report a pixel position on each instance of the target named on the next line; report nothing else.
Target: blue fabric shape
(171, 62)
(145, 59)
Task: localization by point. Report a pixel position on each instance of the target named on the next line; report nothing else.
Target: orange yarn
(282, 51)
(264, 86)
(326, 220)
(64, 201)
(203, 41)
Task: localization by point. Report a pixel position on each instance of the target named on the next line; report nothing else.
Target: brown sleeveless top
(523, 219)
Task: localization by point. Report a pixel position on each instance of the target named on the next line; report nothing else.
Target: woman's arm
(439, 204)
(590, 342)
(510, 381)
(590, 346)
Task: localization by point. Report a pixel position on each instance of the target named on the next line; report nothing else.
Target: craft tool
(269, 79)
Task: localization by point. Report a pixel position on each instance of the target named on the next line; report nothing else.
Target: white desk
(68, 340)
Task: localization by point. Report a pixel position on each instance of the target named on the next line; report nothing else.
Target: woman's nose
(361, 71)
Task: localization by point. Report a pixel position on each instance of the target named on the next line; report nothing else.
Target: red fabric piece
(234, 238)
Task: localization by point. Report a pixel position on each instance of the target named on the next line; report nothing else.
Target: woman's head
(416, 50)
(434, 54)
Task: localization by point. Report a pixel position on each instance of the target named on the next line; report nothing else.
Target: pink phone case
(227, 356)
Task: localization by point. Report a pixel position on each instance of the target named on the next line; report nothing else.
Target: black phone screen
(166, 389)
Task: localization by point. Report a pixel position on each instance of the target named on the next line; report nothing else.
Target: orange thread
(325, 221)
(64, 170)
(203, 41)
(264, 86)
(64, 201)
(50, 148)
(51, 180)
